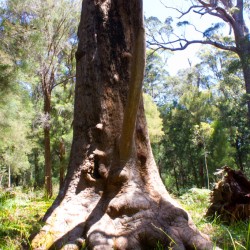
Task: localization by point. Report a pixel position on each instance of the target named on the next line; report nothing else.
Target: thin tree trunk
(176, 180)
(113, 197)
(9, 177)
(194, 171)
(239, 154)
(205, 159)
(62, 162)
(183, 175)
(47, 153)
(36, 169)
(202, 174)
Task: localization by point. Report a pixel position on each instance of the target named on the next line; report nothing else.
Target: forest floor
(21, 213)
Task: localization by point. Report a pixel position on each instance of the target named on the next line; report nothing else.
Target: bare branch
(192, 7)
(187, 43)
(63, 81)
(221, 13)
(181, 12)
(204, 4)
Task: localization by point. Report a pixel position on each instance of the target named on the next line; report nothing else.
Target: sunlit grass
(20, 215)
(227, 237)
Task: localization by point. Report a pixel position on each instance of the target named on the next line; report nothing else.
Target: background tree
(48, 33)
(230, 13)
(15, 112)
(212, 93)
(15, 115)
(155, 77)
(56, 20)
(202, 135)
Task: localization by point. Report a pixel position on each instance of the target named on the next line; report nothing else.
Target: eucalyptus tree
(230, 13)
(15, 117)
(48, 35)
(61, 131)
(113, 196)
(184, 158)
(15, 111)
(227, 83)
(155, 76)
(211, 94)
(56, 23)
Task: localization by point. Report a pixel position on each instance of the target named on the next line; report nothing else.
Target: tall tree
(113, 196)
(15, 113)
(230, 12)
(155, 77)
(57, 24)
(47, 30)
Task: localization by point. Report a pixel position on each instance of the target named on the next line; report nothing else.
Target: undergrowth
(227, 237)
(21, 213)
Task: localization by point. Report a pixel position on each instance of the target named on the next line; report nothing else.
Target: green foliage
(155, 77)
(154, 25)
(154, 121)
(213, 29)
(39, 43)
(204, 122)
(15, 114)
(20, 215)
(183, 23)
(21, 212)
(62, 103)
(196, 201)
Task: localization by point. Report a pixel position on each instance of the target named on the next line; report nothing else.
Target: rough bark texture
(230, 199)
(109, 201)
(47, 153)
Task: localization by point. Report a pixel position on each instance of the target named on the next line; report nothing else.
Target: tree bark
(176, 180)
(239, 153)
(9, 177)
(201, 171)
(62, 162)
(47, 153)
(36, 169)
(113, 197)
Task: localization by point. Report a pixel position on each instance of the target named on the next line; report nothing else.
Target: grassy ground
(21, 213)
(227, 237)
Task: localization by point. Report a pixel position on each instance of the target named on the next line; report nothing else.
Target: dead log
(230, 198)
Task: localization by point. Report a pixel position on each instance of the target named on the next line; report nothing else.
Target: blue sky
(179, 59)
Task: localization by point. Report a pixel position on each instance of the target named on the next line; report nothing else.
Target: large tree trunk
(113, 197)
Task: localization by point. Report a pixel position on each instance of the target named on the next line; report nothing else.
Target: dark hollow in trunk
(113, 197)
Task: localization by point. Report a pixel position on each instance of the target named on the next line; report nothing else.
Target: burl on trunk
(113, 197)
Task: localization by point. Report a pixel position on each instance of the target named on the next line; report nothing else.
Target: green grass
(227, 237)
(20, 214)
